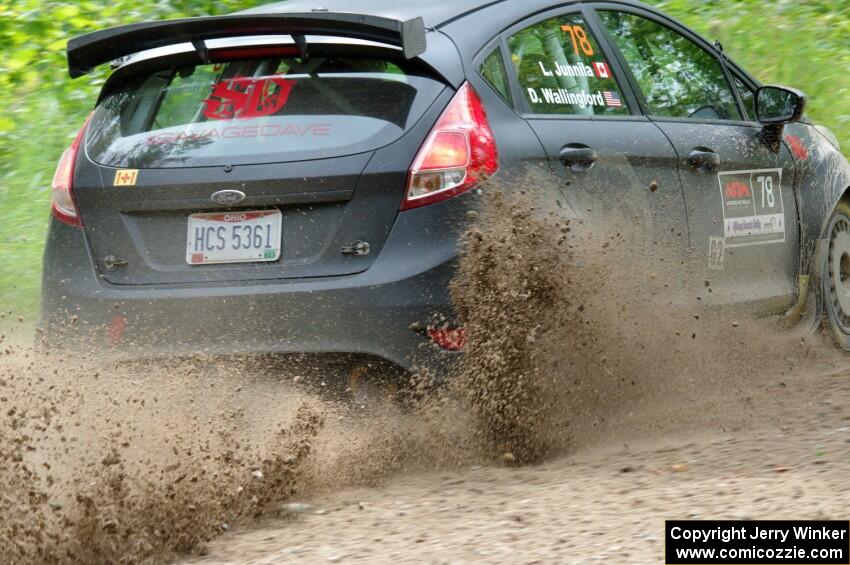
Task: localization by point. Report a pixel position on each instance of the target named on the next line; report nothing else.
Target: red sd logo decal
(244, 98)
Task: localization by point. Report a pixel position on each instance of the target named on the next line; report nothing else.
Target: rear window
(258, 111)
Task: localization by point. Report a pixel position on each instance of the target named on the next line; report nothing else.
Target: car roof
(434, 12)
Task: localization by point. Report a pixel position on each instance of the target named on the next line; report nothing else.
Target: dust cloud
(575, 326)
(571, 328)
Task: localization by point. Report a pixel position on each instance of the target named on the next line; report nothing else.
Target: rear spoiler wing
(88, 51)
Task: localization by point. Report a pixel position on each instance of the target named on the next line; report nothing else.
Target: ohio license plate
(234, 237)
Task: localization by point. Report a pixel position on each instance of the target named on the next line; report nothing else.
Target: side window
(561, 69)
(678, 78)
(493, 71)
(748, 97)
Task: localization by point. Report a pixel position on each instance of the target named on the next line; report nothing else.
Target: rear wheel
(836, 279)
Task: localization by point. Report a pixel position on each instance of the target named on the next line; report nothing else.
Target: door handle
(704, 160)
(579, 158)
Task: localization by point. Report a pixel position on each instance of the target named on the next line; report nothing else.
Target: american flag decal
(612, 99)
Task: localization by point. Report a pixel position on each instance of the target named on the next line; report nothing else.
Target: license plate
(234, 237)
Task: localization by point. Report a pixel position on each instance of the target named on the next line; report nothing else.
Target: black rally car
(295, 178)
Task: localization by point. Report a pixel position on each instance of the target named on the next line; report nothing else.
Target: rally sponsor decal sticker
(716, 253)
(242, 132)
(126, 177)
(244, 98)
(753, 211)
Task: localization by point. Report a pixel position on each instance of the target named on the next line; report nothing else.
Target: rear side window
(678, 78)
(493, 71)
(257, 111)
(561, 69)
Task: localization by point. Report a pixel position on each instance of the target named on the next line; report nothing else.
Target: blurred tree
(41, 108)
(33, 35)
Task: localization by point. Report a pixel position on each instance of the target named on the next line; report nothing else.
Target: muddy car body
(404, 109)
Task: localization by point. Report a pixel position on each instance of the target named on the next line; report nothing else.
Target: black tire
(836, 275)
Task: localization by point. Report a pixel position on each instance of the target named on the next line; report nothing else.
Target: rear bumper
(375, 313)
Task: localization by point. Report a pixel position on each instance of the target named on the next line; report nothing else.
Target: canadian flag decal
(602, 70)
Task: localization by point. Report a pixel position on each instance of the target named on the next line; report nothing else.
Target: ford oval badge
(228, 196)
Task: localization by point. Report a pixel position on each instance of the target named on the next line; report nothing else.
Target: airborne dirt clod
(585, 352)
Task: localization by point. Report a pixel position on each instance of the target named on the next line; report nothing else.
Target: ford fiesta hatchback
(296, 178)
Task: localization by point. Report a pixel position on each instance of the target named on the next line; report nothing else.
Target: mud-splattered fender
(823, 177)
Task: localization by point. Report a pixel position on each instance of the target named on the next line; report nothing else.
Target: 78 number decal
(579, 39)
(768, 199)
(753, 211)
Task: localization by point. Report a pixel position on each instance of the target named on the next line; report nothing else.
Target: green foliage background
(41, 109)
(803, 44)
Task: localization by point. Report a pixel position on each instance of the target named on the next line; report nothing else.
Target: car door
(612, 164)
(742, 213)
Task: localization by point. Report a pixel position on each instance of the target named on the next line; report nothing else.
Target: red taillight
(459, 152)
(64, 208)
(452, 339)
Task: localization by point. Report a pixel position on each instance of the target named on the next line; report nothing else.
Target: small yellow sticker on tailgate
(126, 177)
